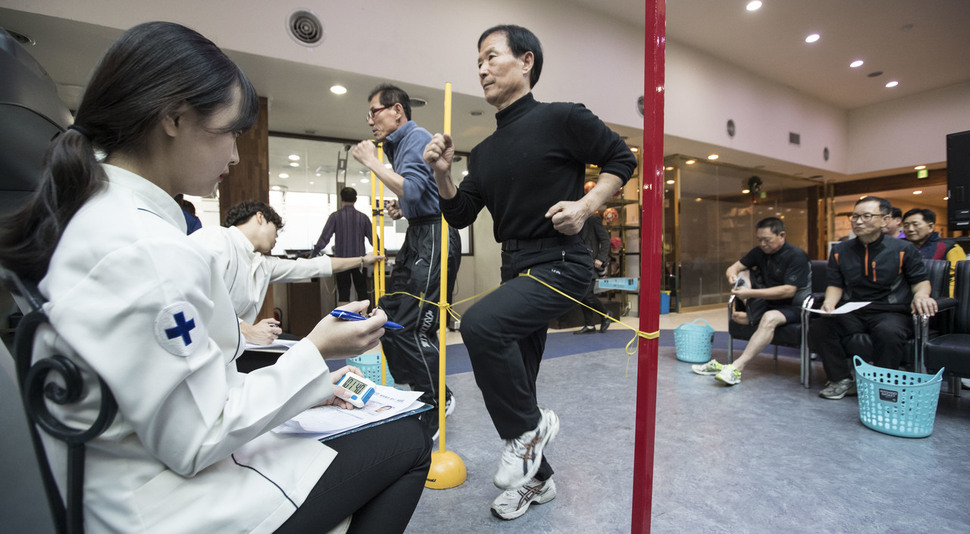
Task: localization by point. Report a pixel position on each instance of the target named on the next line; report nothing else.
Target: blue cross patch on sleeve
(178, 330)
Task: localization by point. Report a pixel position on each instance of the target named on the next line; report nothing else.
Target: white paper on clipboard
(848, 307)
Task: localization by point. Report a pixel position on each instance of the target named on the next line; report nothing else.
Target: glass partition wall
(710, 211)
(306, 176)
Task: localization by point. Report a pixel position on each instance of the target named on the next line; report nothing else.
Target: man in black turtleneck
(530, 175)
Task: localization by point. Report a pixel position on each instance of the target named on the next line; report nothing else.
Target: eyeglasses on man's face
(865, 217)
(371, 113)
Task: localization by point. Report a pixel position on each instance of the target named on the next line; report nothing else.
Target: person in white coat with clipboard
(134, 300)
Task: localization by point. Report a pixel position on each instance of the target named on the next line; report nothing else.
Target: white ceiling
(924, 44)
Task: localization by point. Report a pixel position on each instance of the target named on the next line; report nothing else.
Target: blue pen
(351, 316)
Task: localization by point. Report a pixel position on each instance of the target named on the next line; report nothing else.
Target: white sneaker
(729, 374)
(710, 368)
(523, 455)
(449, 405)
(514, 502)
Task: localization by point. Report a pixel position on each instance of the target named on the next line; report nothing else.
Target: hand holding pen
(342, 339)
(351, 316)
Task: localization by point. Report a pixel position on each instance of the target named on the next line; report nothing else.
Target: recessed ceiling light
(856, 64)
(892, 84)
(691, 161)
(294, 164)
(754, 5)
(671, 181)
(713, 157)
(668, 168)
(634, 149)
(745, 191)
(698, 199)
(338, 89)
(284, 175)
(275, 188)
(919, 167)
(812, 38)
(294, 157)
(917, 192)
(464, 173)
(365, 180)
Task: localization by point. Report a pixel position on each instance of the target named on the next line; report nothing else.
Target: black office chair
(789, 335)
(952, 350)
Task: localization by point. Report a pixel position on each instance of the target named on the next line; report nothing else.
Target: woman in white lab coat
(132, 299)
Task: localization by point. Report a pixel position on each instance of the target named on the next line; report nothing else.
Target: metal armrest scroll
(36, 390)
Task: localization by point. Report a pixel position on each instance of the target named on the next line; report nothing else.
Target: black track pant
(505, 332)
(889, 332)
(412, 353)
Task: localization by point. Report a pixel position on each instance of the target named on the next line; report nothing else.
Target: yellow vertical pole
(447, 468)
(377, 200)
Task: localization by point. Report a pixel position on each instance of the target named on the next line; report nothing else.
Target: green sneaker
(729, 374)
(708, 369)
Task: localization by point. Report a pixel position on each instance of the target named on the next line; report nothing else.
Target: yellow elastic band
(631, 346)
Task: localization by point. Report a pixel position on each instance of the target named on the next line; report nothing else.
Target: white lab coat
(248, 273)
(134, 299)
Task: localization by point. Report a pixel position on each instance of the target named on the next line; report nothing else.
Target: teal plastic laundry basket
(370, 365)
(694, 341)
(897, 403)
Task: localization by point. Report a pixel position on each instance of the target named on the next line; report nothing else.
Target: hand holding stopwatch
(358, 389)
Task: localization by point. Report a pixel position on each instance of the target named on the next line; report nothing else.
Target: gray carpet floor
(766, 455)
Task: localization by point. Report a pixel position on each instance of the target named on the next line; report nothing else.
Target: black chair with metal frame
(793, 335)
(952, 350)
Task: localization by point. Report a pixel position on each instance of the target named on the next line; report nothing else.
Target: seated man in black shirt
(782, 273)
(886, 272)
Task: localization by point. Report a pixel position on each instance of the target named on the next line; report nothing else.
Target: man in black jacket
(597, 239)
(886, 272)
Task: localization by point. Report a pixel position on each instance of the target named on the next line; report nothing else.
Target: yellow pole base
(447, 471)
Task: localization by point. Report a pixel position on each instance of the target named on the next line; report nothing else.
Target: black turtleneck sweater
(536, 157)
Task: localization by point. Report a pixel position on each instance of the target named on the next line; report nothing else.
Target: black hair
(776, 225)
(896, 213)
(151, 71)
(885, 207)
(520, 41)
(242, 212)
(348, 194)
(390, 95)
(928, 215)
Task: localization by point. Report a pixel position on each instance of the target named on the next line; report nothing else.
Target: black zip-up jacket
(883, 271)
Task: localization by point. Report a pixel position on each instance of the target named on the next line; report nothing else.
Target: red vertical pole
(651, 231)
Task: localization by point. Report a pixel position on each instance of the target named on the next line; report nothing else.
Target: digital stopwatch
(359, 389)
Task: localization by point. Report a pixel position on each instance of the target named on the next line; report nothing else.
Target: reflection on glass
(717, 219)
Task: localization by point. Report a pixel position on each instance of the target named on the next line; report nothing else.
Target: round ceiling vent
(305, 28)
(417, 102)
